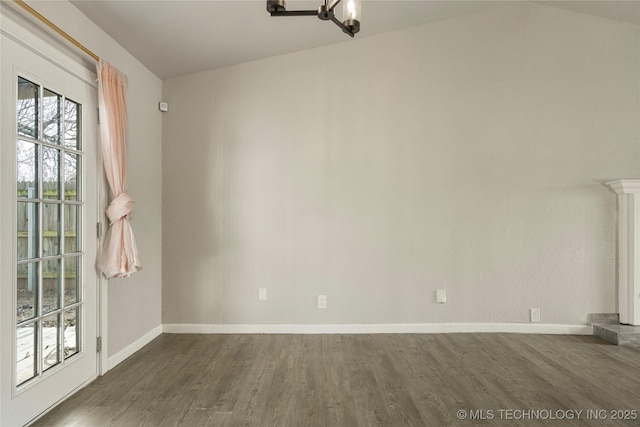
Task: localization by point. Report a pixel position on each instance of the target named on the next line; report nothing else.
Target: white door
(48, 297)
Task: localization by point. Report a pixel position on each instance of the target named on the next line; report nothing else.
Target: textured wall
(468, 155)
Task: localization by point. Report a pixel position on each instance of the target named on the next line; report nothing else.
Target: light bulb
(351, 10)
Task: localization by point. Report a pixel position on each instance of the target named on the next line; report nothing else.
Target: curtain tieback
(120, 207)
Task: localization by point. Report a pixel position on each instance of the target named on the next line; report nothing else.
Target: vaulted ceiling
(179, 37)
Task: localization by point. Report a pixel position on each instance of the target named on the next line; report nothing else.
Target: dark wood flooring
(364, 380)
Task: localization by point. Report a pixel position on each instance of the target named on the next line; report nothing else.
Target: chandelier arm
(334, 4)
(345, 29)
(295, 13)
(325, 12)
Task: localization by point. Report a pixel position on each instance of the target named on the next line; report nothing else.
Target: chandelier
(326, 12)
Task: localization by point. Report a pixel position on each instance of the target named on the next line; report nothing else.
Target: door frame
(27, 33)
(25, 30)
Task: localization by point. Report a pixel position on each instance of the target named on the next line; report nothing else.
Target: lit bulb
(351, 9)
(351, 13)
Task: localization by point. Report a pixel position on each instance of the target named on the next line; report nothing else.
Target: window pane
(50, 341)
(27, 230)
(51, 117)
(27, 291)
(50, 229)
(51, 285)
(27, 108)
(27, 169)
(71, 176)
(72, 125)
(71, 282)
(71, 344)
(49, 219)
(25, 352)
(72, 215)
(50, 173)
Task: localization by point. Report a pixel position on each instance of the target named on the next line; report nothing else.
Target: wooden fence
(54, 230)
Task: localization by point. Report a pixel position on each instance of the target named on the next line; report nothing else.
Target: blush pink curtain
(119, 256)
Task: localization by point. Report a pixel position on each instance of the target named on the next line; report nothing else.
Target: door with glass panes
(49, 204)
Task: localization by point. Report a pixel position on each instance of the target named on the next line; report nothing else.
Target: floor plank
(363, 380)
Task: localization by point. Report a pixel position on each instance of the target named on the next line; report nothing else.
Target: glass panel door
(49, 186)
(49, 252)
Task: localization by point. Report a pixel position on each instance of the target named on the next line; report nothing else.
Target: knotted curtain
(119, 255)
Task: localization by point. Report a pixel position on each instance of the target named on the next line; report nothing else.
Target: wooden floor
(363, 380)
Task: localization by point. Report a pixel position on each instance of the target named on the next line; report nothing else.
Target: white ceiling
(180, 36)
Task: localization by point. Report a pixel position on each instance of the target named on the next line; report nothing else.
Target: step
(625, 335)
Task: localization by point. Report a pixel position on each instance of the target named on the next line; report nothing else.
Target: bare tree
(60, 124)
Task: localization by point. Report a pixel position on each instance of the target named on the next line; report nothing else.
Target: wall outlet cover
(534, 315)
(322, 301)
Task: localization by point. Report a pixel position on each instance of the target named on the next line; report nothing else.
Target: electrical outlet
(322, 301)
(262, 294)
(534, 315)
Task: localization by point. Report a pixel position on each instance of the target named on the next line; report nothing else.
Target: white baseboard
(393, 328)
(134, 346)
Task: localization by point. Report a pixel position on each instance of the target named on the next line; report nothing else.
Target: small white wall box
(163, 106)
(322, 301)
(441, 296)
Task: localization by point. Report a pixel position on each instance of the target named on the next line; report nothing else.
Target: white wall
(134, 303)
(468, 155)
